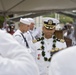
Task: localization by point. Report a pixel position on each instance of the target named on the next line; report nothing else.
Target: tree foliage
(1, 21)
(63, 19)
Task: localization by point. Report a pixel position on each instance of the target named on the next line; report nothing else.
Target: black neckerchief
(25, 40)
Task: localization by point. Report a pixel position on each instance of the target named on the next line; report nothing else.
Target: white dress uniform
(45, 48)
(31, 34)
(37, 32)
(14, 58)
(64, 62)
(29, 39)
(20, 37)
(17, 35)
(34, 34)
(44, 65)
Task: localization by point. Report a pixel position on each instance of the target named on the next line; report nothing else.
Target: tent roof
(25, 6)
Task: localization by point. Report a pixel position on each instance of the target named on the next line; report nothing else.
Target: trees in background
(63, 19)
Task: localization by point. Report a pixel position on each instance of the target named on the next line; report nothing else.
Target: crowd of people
(34, 51)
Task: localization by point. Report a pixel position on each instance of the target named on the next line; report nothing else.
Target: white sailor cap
(50, 23)
(31, 20)
(25, 21)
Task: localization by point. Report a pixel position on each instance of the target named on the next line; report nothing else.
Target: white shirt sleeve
(18, 38)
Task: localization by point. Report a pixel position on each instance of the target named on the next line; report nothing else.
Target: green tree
(1, 21)
(63, 19)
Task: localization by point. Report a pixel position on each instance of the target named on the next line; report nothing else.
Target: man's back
(14, 58)
(64, 62)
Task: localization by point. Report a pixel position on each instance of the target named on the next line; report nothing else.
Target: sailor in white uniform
(34, 32)
(31, 34)
(64, 62)
(47, 46)
(14, 58)
(20, 34)
(31, 28)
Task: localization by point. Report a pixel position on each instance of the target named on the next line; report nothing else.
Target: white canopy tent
(27, 6)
